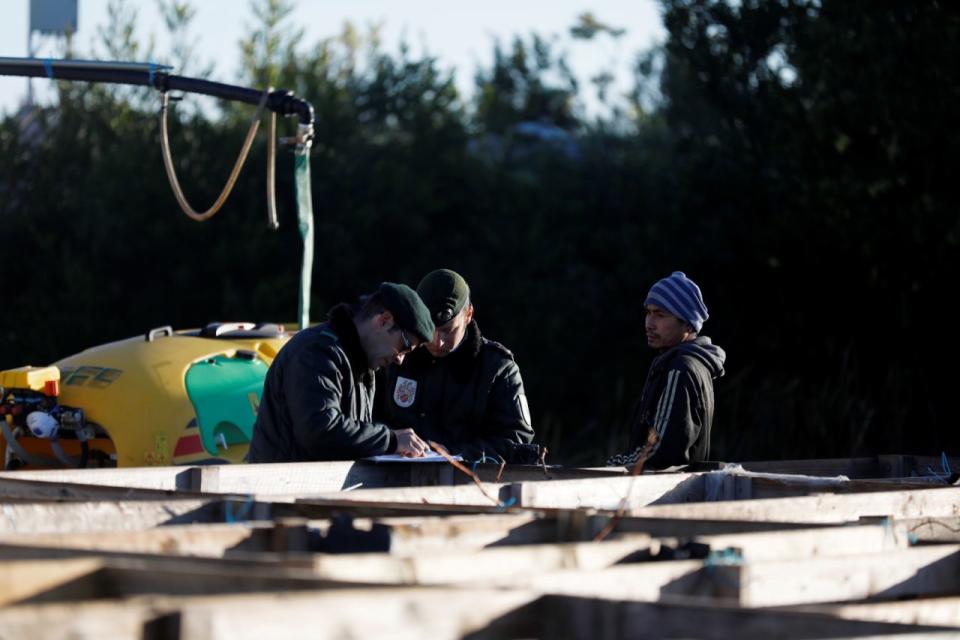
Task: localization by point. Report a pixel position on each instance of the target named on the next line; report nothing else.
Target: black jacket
(470, 401)
(677, 405)
(317, 400)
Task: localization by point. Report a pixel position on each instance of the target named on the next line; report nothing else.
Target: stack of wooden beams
(855, 548)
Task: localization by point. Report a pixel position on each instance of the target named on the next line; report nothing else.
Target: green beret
(408, 310)
(445, 293)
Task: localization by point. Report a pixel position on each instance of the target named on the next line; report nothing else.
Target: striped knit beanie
(681, 296)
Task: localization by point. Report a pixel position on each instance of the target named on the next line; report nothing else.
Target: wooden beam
(15, 489)
(930, 503)
(497, 566)
(106, 516)
(609, 493)
(930, 529)
(808, 543)
(943, 611)
(403, 613)
(299, 478)
(572, 617)
(868, 467)
(63, 580)
(413, 613)
(22, 580)
(213, 540)
(921, 571)
(890, 574)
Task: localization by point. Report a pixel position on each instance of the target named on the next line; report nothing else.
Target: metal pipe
(280, 101)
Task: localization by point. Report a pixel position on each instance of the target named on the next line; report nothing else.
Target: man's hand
(409, 443)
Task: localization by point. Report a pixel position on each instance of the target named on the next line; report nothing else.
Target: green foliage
(526, 83)
(789, 156)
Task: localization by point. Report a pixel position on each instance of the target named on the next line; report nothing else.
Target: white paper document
(429, 456)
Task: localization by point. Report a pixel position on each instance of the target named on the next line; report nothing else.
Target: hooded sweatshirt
(675, 409)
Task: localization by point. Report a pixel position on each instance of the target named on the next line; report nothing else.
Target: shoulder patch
(405, 392)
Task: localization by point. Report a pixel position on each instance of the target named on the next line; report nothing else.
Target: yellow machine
(187, 397)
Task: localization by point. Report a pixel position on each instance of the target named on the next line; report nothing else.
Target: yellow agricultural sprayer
(163, 397)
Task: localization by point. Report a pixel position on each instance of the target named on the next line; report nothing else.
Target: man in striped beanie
(671, 421)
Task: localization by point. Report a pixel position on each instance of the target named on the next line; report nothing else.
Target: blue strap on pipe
(151, 70)
(48, 67)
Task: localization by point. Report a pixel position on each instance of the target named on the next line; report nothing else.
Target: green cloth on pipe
(305, 222)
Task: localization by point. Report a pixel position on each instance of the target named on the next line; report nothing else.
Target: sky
(460, 34)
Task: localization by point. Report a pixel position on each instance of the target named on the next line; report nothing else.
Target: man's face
(665, 330)
(449, 336)
(388, 343)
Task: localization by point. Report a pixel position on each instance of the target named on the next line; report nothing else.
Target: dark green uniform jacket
(677, 404)
(318, 399)
(470, 401)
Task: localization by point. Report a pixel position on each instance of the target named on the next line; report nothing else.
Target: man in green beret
(463, 391)
(317, 399)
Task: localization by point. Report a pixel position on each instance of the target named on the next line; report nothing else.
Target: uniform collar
(341, 321)
(460, 362)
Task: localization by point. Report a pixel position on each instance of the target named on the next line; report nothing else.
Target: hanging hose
(301, 181)
(272, 174)
(13, 445)
(234, 174)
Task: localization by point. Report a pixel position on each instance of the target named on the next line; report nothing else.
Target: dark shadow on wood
(595, 619)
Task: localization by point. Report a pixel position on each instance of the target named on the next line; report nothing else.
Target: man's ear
(384, 320)
(468, 316)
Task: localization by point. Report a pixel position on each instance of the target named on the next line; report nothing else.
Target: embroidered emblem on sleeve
(404, 392)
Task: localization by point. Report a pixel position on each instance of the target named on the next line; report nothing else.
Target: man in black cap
(463, 390)
(317, 399)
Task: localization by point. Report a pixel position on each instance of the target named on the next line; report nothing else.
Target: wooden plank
(943, 611)
(785, 486)
(808, 543)
(22, 580)
(609, 493)
(868, 467)
(931, 503)
(57, 580)
(298, 478)
(926, 530)
(89, 620)
(498, 566)
(921, 571)
(684, 527)
(898, 573)
(105, 516)
(213, 540)
(413, 613)
(400, 613)
(14, 489)
(160, 478)
(572, 617)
